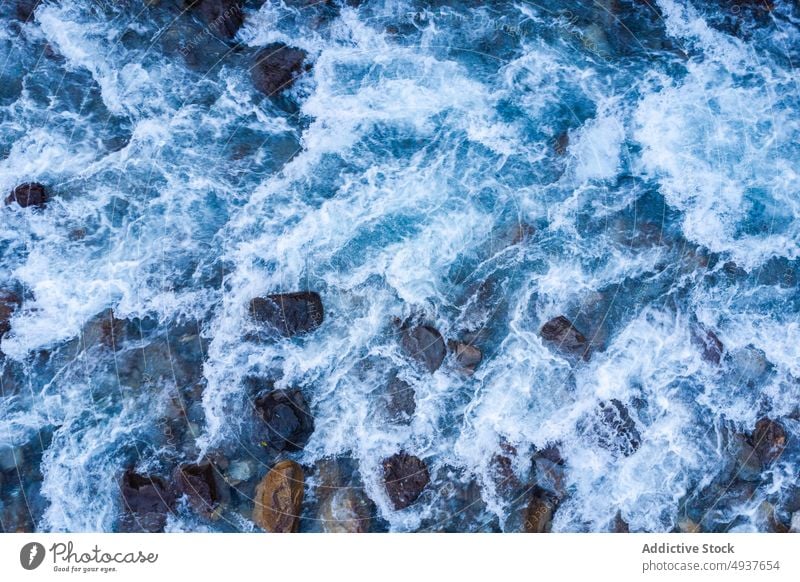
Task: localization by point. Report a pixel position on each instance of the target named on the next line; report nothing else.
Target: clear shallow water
(418, 169)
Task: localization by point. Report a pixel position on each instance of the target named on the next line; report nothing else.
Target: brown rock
(279, 498)
(223, 17)
(467, 356)
(561, 143)
(204, 487)
(539, 514)
(29, 194)
(146, 501)
(550, 476)
(560, 332)
(276, 68)
(710, 346)
(9, 302)
(769, 440)
(405, 476)
(688, 525)
(111, 330)
(501, 471)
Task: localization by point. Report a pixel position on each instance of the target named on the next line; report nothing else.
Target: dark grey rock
(276, 67)
(405, 476)
(425, 345)
(289, 314)
(287, 418)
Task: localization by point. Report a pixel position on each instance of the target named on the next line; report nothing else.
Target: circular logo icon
(31, 555)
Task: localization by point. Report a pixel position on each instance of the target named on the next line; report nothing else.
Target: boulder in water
(405, 476)
(288, 420)
(748, 463)
(11, 458)
(343, 505)
(768, 440)
(467, 356)
(539, 513)
(31, 194)
(400, 400)
(204, 487)
(279, 498)
(223, 17)
(112, 330)
(276, 67)
(346, 510)
(561, 143)
(9, 302)
(560, 332)
(26, 8)
(550, 476)
(289, 314)
(620, 525)
(710, 346)
(615, 429)
(425, 345)
(146, 501)
(501, 472)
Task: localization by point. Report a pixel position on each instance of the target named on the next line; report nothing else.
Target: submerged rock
(405, 476)
(710, 346)
(561, 143)
(748, 463)
(204, 487)
(425, 345)
(620, 525)
(345, 510)
(343, 505)
(289, 314)
(501, 472)
(224, 17)
(11, 458)
(9, 303)
(288, 420)
(539, 514)
(400, 400)
(687, 525)
(29, 194)
(467, 356)
(615, 429)
(146, 502)
(279, 498)
(550, 476)
(560, 332)
(276, 67)
(239, 471)
(768, 440)
(26, 8)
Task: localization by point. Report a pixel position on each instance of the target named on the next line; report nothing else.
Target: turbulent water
(477, 167)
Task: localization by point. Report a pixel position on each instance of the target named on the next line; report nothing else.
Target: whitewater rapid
(484, 167)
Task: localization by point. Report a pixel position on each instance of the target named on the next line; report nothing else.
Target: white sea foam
(408, 170)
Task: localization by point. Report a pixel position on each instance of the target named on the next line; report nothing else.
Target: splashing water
(479, 168)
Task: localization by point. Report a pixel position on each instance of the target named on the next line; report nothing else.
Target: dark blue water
(479, 168)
